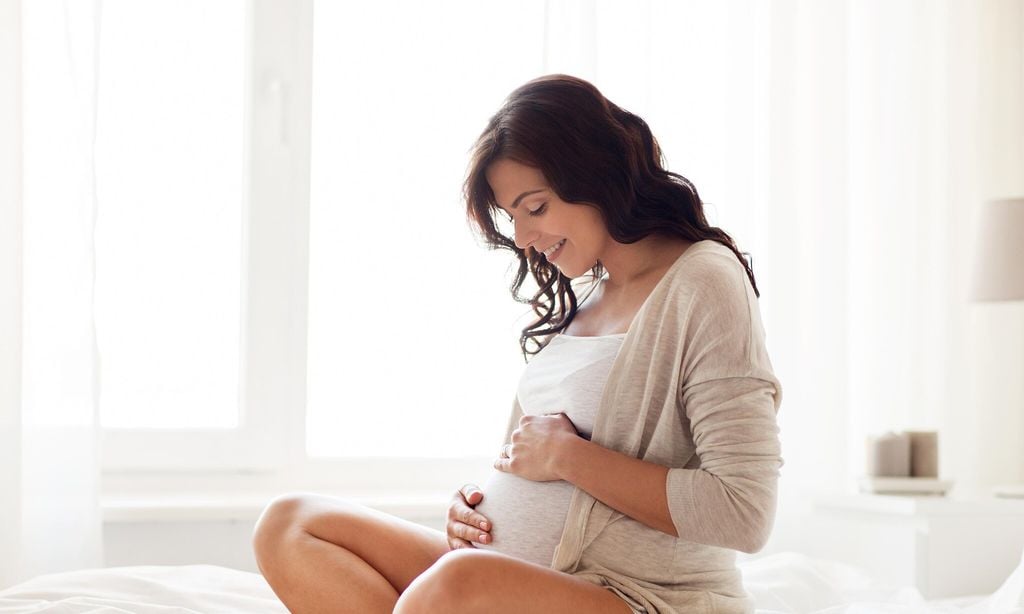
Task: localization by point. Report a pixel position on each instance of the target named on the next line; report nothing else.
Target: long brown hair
(592, 153)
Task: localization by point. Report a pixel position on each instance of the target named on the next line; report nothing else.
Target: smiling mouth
(550, 252)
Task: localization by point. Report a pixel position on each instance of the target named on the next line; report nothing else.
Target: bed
(786, 582)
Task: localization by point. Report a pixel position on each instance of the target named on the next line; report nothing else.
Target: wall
(225, 539)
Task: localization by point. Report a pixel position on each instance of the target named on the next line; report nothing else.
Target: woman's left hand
(536, 449)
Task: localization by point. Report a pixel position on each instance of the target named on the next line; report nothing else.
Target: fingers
(472, 494)
(461, 535)
(465, 525)
(503, 464)
(457, 529)
(455, 543)
(460, 512)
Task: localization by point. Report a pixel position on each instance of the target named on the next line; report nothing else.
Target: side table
(944, 545)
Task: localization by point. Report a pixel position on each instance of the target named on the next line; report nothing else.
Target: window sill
(416, 507)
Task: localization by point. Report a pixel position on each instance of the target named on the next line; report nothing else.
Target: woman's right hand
(466, 525)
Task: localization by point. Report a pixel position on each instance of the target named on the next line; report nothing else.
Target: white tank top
(568, 376)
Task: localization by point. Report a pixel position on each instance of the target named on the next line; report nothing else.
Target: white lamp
(999, 267)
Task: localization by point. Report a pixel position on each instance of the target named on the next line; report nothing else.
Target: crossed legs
(323, 554)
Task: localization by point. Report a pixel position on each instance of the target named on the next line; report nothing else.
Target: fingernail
(485, 525)
(485, 538)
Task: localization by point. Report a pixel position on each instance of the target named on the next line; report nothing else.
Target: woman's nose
(524, 235)
(524, 238)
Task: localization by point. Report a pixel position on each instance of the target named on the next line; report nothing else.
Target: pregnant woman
(642, 449)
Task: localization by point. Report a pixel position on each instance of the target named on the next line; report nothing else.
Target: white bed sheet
(184, 589)
(785, 583)
(790, 582)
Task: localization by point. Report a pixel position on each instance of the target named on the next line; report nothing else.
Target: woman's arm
(630, 485)
(729, 501)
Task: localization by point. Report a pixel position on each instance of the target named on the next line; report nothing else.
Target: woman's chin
(570, 273)
(564, 270)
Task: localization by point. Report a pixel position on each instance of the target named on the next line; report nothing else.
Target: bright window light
(413, 335)
(169, 154)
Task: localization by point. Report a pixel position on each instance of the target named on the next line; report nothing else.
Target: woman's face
(542, 220)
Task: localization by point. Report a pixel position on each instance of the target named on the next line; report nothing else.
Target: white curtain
(51, 436)
(10, 287)
(882, 115)
(848, 145)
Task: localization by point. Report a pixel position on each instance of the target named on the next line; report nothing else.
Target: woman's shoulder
(708, 267)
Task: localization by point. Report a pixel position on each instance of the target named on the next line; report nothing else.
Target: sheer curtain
(847, 145)
(10, 288)
(51, 434)
(881, 120)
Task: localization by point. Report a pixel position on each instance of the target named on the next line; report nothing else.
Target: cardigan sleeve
(730, 499)
(513, 420)
(730, 398)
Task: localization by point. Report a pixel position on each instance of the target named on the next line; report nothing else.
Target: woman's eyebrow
(515, 203)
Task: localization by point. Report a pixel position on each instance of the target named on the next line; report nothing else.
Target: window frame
(272, 309)
(266, 452)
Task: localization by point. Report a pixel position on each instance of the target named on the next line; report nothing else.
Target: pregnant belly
(527, 517)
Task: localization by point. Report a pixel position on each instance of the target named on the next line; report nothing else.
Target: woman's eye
(539, 209)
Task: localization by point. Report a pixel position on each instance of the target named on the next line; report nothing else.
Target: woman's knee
(281, 517)
(449, 585)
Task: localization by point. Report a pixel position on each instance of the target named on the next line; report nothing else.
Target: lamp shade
(999, 252)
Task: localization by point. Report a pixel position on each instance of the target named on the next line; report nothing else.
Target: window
(376, 340)
(169, 153)
(413, 343)
(404, 340)
(188, 121)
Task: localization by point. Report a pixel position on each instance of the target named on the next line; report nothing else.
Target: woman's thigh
(398, 549)
(474, 581)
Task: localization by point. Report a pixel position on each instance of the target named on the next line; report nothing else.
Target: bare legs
(322, 554)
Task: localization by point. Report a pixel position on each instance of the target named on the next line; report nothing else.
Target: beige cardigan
(692, 389)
